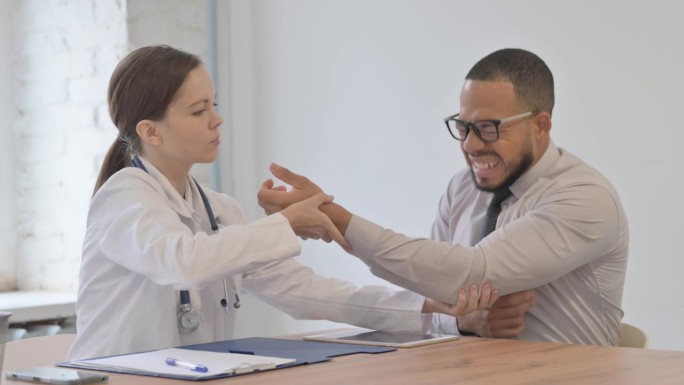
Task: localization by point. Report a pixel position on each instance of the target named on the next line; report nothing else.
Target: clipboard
(293, 352)
(195, 364)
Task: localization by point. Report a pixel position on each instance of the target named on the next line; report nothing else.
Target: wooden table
(473, 361)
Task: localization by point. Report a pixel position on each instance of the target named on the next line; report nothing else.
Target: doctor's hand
(474, 300)
(505, 319)
(276, 198)
(307, 221)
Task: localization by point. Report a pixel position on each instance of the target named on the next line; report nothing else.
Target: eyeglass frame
(470, 126)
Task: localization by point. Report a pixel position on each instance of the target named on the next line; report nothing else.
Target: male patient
(526, 216)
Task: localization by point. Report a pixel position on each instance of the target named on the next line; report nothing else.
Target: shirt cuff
(444, 324)
(411, 319)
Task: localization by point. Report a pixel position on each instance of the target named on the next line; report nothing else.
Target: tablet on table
(381, 338)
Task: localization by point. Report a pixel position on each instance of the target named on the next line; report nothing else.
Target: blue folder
(305, 352)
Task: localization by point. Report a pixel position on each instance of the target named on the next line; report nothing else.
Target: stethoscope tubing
(185, 294)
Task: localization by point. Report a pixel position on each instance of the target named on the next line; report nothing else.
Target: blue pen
(193, 367)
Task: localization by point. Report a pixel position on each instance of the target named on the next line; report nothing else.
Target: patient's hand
(275, 198)
(474, 300)
(505, 319)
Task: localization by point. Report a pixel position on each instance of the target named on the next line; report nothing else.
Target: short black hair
(531, 78)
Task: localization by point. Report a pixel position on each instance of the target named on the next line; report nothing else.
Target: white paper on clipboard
(153, 363)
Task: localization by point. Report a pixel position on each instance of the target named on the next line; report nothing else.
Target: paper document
(155, 363)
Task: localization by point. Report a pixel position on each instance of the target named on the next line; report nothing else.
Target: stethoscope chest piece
(188, 321)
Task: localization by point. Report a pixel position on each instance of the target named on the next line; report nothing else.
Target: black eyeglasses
(486, 130)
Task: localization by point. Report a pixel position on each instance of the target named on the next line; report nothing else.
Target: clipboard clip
(246, 367)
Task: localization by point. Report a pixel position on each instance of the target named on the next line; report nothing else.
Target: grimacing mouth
(484, 165)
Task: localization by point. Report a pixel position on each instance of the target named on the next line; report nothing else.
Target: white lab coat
(144, 243)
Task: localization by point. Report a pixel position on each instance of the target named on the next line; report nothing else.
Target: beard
(517, 169)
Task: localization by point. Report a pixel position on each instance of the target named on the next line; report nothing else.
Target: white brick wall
(8, 234)
(64, 54)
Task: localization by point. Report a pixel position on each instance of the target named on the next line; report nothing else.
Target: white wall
(8, 221)
(352, 93)
(64, 54)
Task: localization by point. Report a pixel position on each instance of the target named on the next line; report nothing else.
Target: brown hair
(142, 86)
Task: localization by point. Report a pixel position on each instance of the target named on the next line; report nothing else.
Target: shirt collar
(541, 168)
(176, 202)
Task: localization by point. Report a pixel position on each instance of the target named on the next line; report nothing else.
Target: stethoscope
(188, 320)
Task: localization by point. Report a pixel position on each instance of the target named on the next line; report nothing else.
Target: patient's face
(498, 164)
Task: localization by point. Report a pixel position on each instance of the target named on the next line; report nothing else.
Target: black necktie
(493, 210)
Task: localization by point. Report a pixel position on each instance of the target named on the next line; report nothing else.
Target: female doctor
(164, 258)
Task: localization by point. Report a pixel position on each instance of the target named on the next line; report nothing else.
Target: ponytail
(116, 159)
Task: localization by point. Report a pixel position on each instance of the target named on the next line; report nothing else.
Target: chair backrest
(4, 327)
(633, 337)
(37, 351)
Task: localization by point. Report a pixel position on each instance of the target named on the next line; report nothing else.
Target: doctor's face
(189, 129)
